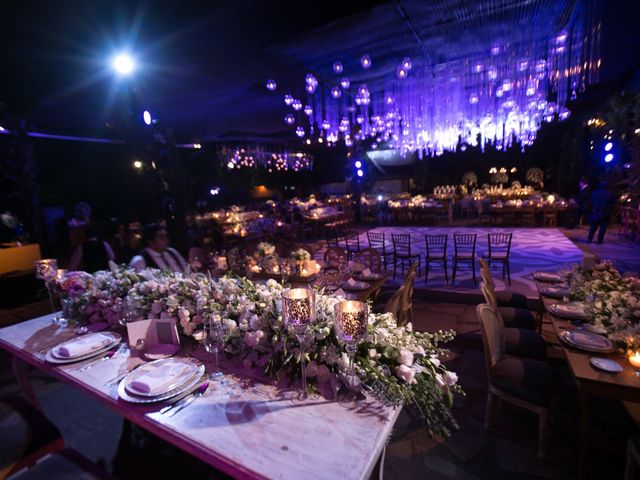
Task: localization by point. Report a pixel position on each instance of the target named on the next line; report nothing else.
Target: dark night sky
(202, 64)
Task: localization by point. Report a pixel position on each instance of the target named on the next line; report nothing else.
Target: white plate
(590, 342)
(554, 292)
(162, 351)
(606, 364)
(370, 278)
(191, 384)
(357, 286)
(549, 277)
(62, 361)
(173, 372)
(97, 338)
(568, 310)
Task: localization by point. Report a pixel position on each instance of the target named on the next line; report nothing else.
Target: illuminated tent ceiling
(442, 73)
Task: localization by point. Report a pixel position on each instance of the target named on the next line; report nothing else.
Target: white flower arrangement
(397, 365)
(300, 255)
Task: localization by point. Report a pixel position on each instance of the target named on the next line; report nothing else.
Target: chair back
(393, 304)
(436, 246)
(499, 244)
(377, 241)
(406, 300)
(401, 243)
(371, 259)
(485, 273)
(335, 257)
(352, 240)
(413, 268)
(492, 336)
(489, 295)
(464, 244)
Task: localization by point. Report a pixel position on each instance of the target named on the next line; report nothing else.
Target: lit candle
(634, 358)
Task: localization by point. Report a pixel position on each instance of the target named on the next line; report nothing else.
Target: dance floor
(532, 249)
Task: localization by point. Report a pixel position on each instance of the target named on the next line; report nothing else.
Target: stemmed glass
(128, 311)
(299, 311)
(213, 342)
(350, 328)
(47, 270)
(285, 271)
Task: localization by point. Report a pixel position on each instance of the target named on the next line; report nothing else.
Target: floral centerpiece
(395, 364)
(300, 256)
(266, 257)
(612, 302)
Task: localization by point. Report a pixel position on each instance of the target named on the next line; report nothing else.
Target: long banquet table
(624, 386)
(257, 432)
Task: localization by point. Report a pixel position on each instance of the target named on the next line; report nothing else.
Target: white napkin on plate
(366, 273)
(339, 293)
(161, 379)
(83, 345)
(351, 282)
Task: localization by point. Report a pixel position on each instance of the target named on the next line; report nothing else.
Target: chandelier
(480, 79)
(237, 158)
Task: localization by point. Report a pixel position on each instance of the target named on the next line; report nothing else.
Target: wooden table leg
(21, 371)
(583, 441)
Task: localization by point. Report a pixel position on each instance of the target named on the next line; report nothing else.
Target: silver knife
(189, 400)
(107, 356)
(180, 402)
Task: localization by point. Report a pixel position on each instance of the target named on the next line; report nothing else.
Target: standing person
(601, 202)
(93, 254)
(157, 253)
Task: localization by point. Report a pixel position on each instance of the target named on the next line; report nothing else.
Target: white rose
(252, 339)
(405, 357)
(254, 322)
(183, 314)
(434, 360)
(373, 353)
(447, 380)
(407, 374)
(230, 325)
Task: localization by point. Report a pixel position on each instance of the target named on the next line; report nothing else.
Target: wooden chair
(378, 241)
(393, 304)
(521, 339)
(507, 297)
(406, 300)
(352, 243)
(550, 218)
(436, 252)
(499, 252)
(464, 245)
(402, 251)
(371, 259)
(335, 257)
(529, 217)
(526, 383)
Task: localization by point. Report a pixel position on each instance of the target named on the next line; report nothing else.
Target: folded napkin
(161, 378)
(548, 277)
(339, 293)
(351, 282)
(366, 272)
(590, 339)
(83, 345)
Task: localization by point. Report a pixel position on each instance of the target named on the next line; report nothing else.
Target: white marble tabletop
(251, 428)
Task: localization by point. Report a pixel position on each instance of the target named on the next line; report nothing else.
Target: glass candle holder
(350, 329)
(299, 311)
(47, 270)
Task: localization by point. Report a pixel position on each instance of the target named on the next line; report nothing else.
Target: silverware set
(175, 407)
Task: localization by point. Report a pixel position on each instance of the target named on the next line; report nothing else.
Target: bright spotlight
(608, 146)
(360, 173)
(214, 191)
(358, 164)
(123, 64)
(608, 158)
(137, 164)
(146, 116)
(379, 198)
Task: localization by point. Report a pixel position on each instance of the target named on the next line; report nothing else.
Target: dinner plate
(170, 373)
(190, 385)
(88, 344)
(356, 286)
(573, 310)
(548, 277)
(369, 278)
(164, 350)
(606, 364)
(591, 342)
(555, 292)
(50, 358)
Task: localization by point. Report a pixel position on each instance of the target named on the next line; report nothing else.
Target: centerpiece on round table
(300, 256)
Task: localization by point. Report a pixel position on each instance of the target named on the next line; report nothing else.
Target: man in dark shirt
(601, 202)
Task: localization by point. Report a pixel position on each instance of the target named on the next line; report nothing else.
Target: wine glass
(299, 311)
(213, 342)
(350, 328)
(127, 311)
(285, 271)
(47, 270)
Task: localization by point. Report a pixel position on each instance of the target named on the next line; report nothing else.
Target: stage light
(608, 158)
(146, 116)
(137, 164)
(360, 173)
(123, 64)
(380, 198)
(214, 191)
(358, 164)
(197, 146)
(608, 146)
(2, 129)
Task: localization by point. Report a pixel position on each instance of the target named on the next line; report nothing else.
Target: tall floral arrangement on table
(612, 301)
(534, 176)
(266, 256)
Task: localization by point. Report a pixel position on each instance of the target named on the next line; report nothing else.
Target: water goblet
(213, 342)
(47, 270)
(350, 328)
(285, 271)
(299, 311)
(127, 311)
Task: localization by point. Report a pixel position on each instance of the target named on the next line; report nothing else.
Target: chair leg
(542, 432)
(455, 268)
(508, 272)
(446, 275)
(426, 272)
(488, 412)
(395, 266)
(473, 270)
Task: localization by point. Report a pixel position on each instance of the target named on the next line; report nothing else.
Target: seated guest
(93, 254)
(157, 253)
